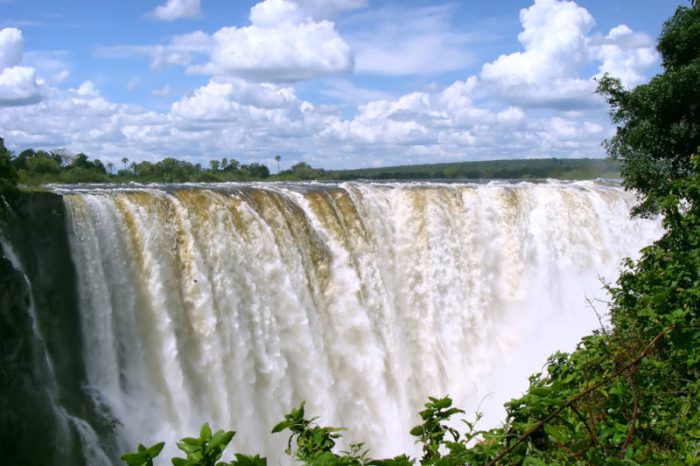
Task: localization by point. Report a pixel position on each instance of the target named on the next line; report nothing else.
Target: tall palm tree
(278, 158)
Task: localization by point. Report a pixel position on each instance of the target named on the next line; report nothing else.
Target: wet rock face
(28, 426)
(41, 369)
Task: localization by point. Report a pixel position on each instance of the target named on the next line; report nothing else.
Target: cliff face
(43, 401)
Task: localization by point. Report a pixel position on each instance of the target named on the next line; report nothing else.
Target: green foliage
(658, 124)
(205, 450)
(314, 444)
(143, 456)
(432, 432)
(8, 174)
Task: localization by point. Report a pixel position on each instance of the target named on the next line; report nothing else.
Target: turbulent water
(234, 303)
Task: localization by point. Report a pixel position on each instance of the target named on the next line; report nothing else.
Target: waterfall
(232, 303)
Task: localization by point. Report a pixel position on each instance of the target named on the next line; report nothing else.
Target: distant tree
(255, 171)
(658, 124)
(43, 163)
(214, 165)
(303, 171)
(125, 160)
(278, 158)
(80, 161)
(20, 161)
(233, 165)
(452, 172)
(110, 167)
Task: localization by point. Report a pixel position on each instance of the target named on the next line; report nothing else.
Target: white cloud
(511, 115)
(280, 45)
(402, 41)
(270, 13)
(11, 47)
(557, 49)
(230, 100)
(626, 54)
(162, 91)
(87, 89)
(18, 84)
(251, 120)
(176, 9)
(546, 73)
(555, 40)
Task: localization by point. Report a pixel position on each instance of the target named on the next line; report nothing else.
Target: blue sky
(335, 83)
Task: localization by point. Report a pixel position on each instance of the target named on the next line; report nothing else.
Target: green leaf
(189, 448)
(245, 460)
(155, 449)
(557, 433)
(135, 459)
(221, 439)
(531, 461)
(439, 403)
(281, 426)
(205, 431)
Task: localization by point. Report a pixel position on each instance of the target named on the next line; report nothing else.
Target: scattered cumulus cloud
(176, 9)
(554, 37)
(557, 47)
(11, 47)
(281, 44)
(625, 54)
(547, 72)
(533, 102)
(18, 84)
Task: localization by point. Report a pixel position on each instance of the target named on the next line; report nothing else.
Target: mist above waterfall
(233, 303)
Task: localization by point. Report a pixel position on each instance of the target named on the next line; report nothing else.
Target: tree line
(35, 167)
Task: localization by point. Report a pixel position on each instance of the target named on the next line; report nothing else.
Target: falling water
(233, 303)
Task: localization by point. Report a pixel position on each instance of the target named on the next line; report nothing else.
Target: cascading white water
(233, 303)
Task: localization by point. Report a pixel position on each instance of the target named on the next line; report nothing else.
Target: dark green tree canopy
(658, 124)
(8, 175)
(679, 43)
